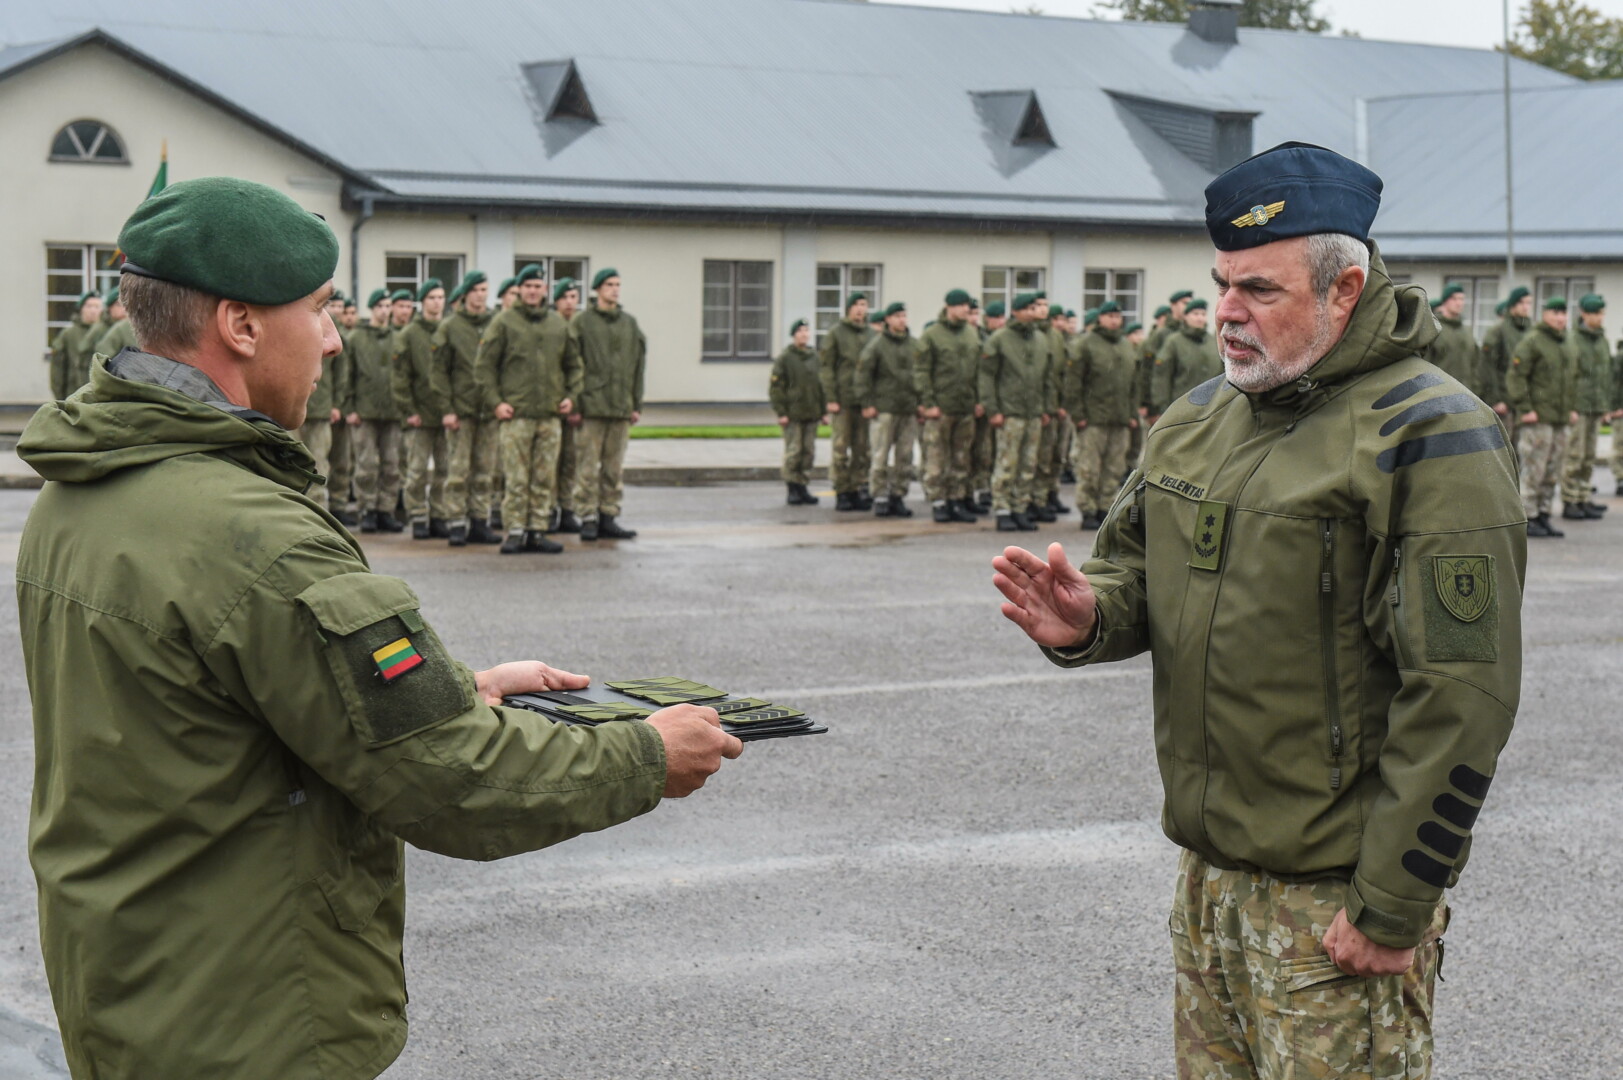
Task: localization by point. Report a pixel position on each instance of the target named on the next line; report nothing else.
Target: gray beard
(1269, 372)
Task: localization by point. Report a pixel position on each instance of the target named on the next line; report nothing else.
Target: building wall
(49, 202)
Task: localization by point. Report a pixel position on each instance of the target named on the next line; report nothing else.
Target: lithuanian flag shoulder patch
(396, 658)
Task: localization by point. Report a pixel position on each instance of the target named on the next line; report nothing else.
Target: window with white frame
(559, 267)
(1125, 287)
(836, 281)
(71, 270)
(401, 271)
(88, 142)
(1481, 297)
(737, 310)
(1001, 284)
(1571, 289)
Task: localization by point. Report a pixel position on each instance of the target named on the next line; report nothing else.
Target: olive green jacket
(1594, 372)
(118, 336)
(1100, 383)
(1617, 382)
(323, 399)
(1497, 346)
(885, 374)
(1018, 377)
(371, 386)
(223, 772)
(524, 359)
(71, 351)
(842, 348)
(1543, 376)
(946, 368)
(412, 369)
(612, 359)
(796, 389)
(456, 348)
(1154, 342)
(1328, 579)
(1187, 359)
(1456, 352)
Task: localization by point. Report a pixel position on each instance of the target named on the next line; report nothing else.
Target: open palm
(1051, 601)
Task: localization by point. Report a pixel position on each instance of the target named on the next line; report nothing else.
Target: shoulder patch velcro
(1461, 605)
(1206, 391)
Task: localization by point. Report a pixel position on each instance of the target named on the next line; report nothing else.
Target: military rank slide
(749, 718)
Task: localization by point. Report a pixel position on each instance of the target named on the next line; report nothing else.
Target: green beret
(507, 283)
(1436, 302)
(427, 287)
(603, 275)
(563, 286)
(455, 294)
(86, 296)
(1164, 309)
(895, 308)
(1194, 305)
(875, 317)
(1090, 316)
(851, 301)
(996, 310)
(1181, 294)
(472, 278)
(1499, 308)
(1109, 307)
(529, 273)
(349, 302)
(112, 295)
(796, 325)
(1451, 290)
(1023, 301)
(1516, 296)
(1593, 303)
(1133, 326)
(399, 294)
(377, 297)
(974, 304)
(1041, 294)
(959, 296)
(1556, 303)
(230, 238)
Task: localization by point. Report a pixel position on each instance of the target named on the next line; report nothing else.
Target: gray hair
(1328, 254)
(167, 318)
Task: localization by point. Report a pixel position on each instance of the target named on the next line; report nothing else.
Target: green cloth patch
(1206, 548)
(1461, 602)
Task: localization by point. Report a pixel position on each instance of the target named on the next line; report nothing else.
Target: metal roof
(807, 107)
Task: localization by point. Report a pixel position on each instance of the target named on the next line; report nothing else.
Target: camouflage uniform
(1594, 391)
(342, 455)
(1542, 379)
(475, 443)
(609, 360)
(601, 448)
(796, 392)
(1054, 442)
(316, 431)
(1617, 425)
(529, 453)
(946, 376)
(1018, 382)
(376, 440)
(884, 381)
(1100, 388)
(525, 361)
(982, 454)
(842, 347)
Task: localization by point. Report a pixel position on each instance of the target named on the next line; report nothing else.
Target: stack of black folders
(749, 718)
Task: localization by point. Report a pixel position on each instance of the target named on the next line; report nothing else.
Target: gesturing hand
(694, 746)
(1051, 601)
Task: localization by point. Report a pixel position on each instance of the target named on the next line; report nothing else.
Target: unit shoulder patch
(1464, 584)
(1461, 604)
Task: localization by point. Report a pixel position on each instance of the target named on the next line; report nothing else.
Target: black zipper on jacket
(1400, 633)
(1327, 644)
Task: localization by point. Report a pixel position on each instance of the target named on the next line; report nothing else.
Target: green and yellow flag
(160, 180)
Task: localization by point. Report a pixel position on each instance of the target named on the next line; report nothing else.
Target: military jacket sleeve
(827, 358)
(1519, 376)
(441, 359)
(867, 364)
(574, 364)
(60, 366)
(488, 363)
(340, 664)
(400, 378)
(924, 361)
(778, 386)
(991, 366)
(343, 390)
(641, 369)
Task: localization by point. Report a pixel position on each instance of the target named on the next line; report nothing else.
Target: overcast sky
(1439, 22)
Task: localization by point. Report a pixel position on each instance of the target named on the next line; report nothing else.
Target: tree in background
(1266, 14)
(1570, 36)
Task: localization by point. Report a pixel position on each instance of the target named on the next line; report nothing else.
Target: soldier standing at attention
(218, 815)
(608, 362)
(322, 417)
(524, 371)
(1329, 540)
(1455, 350)
(118, 334)
(983, 454)
(1045, 505)
(796, 393)
(1498, 345)
(842, 348)
(946, 376)
(374, 424)
(1100, 386)
(472, 429)
(1542, 390)
(884, 386)
(1187, 359)
(1019, 391)
(1594, 394)
(1154, 342)
(423, 404)
(566, 302)
(74, 345)
(507, 293)
(342, 454)
(1616, 415)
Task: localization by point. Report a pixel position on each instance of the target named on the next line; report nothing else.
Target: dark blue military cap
(1295, 189)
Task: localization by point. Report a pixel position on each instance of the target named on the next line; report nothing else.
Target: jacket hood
(113, 423)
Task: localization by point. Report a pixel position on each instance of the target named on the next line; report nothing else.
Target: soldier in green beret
(1498, 345)
(341, 457)
(1169, 318)
(322, 415)
(1617, 415)
(796, 394)
(507, 293)
(1542, 389)
(74, 345)
(1455, 350)
(566, 302)
(471, 432)
(983, 453)
(1593, 376)
(422, 403)
(842, 348)
(373, 418)
(1054, 441)
(884, 386)
(1099, 388)
(610, 360)
(118, 334)
(946, 375)
(1187, 358)
(1019, 390)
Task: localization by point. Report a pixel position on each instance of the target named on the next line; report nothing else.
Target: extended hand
(694, 746)
(524, 677)
(1051, 601)
(1352, 952)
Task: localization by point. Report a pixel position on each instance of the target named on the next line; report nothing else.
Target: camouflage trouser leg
(849, 467)
(428, 458)
(1542, 448)
(475, 448)
(1016, 464)
(1579, 467)
(529, 457)
(317, 438)
(799, 450)
(947, 445)
(1064, 447)
(983, 455)
(1101, 459)
(601, 447)
(343, 467)
(377, 464)
(1045, 477)
(568, 466)
(1617, 451)
(1256, 998)
(893, 438)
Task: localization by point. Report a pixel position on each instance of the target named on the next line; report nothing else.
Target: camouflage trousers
(339, 493)
(428, 460)
(893, 437)
(799, 450)
(317, 438)
(1016, 464)
(983, 454)
(529, 459)
(475, 448)
(1579, 467)
(1256, 998)
(601, 448)
(1542, 449)
(948, 443)
(1617, 450)
(1052, 445)
(849, 467)
(1101, 460)
(568, 465)
(1135, 446)
(377, 464)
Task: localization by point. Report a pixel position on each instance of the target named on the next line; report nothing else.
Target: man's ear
(1348, 287)
(239, 326)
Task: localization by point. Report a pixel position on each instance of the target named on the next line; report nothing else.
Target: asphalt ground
(964, 878)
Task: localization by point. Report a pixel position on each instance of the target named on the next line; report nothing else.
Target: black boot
(864, 501)
(1574, 512)
(457, 535)
(972, 505)
(1055, 505)
(1544, 519)
(568, 522)
(514, 544)
(1024, 522)
(496, 519)
(942, 513)
(806, 497)
(1006, 523)
(898, 508)
(419, 530)
(1594, 511)
(1040, 513)
(347, 519)
(960, 510)
(843, 501)
(793, 498)
(609, 529)
(536, 540)
(479, 532)
(388, 523)
(552, 520)
(369, 521)
(1068, 476)
(588, 529)
(983, 501)
(882, 508)
(439, 528)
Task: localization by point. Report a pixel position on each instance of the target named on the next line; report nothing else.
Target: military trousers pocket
(1341, 1025)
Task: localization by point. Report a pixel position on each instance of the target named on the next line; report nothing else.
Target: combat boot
(369, 521)
(439, 528)
(898, 508)
(842, 501)
(536, 540)
(960, 510)
(1595, 510)
(1040, 513)
(552, 519)
(1024, 522)
(388, 523)
(1091, 520)
(942, 513)
(479, 532)
(793, 498)
(347, 519)
(882, 508)
(1055, 505)
(863, 499)
(1006, 523)
(588, 529)
(1544, 519)
(568, 522)
(609, 529)
(419, 530)
(806, 497)
(1575, 512)
(1068, 476)
(496, 519)
(983, 501)
(458, 535)
(514, 544)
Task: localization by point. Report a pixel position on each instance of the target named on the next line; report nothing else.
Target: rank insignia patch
(1206, 551)
(396, 658)
(1259, 215)
(1464, 584)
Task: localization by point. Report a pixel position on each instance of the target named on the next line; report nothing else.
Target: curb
(651, 476)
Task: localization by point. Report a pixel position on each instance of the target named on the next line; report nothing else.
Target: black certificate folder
(751, 719)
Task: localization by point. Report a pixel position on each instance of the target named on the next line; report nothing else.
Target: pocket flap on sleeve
(346, 603)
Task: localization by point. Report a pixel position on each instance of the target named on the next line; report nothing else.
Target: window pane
(448, 268)
(1028, 280)
(1095, 281)
(521, 261)
(570, 268)
(828, 276)
(63, 146)
(718, 273)
(1126, 281)
(755, 274)
(864, 277)
(64, 258)
(717, 343)
(110, 149)
(400, 266)
(995, 278)
(828, 298)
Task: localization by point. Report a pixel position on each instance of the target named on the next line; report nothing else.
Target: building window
(836, 281)
(70, 271)
(559, 267)
(1481, 297)
(1001, 284)
(737, 309)
(88, 142)
(1125, 287)
(1571, 289)
(410, 271)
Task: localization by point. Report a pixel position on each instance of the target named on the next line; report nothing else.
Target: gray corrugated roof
(804, 105)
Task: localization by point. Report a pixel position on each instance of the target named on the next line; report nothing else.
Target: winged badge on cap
(1259, 215)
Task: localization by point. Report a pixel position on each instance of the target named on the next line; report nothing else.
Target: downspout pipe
(355, 246)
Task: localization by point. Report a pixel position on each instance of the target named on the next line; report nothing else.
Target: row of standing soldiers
(1005, 410)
